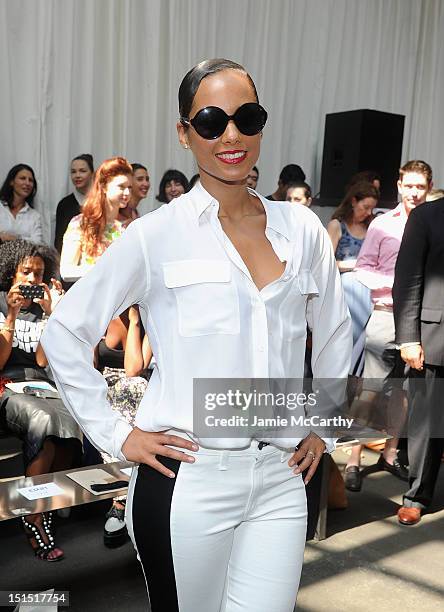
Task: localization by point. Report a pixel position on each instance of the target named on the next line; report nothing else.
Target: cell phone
(109, 486)
(29, 292)
(39, 392)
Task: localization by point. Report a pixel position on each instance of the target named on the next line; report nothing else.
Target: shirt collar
(79, 196)
(24, 208)
(202, 200)
(275, 216)
(399, 211)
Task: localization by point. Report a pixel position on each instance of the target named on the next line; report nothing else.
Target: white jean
(226, 535)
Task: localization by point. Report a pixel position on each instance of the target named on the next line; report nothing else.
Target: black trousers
(425, 433)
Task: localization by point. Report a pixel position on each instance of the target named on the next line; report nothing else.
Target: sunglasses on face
(211, 122)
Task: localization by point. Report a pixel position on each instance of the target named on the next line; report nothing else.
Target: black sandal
(43, 543)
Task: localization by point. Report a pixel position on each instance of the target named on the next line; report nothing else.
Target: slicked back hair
(194, 77)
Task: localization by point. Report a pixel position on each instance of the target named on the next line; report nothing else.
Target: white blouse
(26, 225)
(203, 314)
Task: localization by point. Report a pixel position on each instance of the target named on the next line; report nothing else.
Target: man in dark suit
(418, 300)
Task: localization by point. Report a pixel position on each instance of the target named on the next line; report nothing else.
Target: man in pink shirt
(375, 268)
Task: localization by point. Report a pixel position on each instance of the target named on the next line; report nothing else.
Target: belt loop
(283, 456)
(223, 462)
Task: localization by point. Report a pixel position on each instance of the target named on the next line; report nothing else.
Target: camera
(29, 292)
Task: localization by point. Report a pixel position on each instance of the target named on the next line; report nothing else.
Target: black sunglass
(211, 122)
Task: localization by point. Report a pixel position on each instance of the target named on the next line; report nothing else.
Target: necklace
(237, 219)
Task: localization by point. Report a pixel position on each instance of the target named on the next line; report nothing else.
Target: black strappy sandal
(43, 543)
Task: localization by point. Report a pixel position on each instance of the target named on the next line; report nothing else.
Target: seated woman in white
(18, 219)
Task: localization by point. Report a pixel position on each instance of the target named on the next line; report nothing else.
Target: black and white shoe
(114, 531)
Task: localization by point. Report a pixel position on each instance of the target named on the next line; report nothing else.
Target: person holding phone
(225, 283)
(51, 438)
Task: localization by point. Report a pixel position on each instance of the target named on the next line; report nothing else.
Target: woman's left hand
(308, 456)
(52, 296)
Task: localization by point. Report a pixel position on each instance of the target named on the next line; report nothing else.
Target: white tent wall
(102, 76)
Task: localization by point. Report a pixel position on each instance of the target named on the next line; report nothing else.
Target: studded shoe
(41, 539)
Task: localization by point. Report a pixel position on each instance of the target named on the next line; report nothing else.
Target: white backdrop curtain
(102, 76)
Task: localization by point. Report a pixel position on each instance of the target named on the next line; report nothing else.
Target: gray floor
(371, 563)
(367, 563)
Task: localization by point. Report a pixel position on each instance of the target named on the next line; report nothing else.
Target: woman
(172, 185)
(350, 221)
(51, 438)
(88, 235)
(223, 281)
(365, 176)
(18, 219)
(140, 188)
(347, 231)
(82, 174)
(123, 357)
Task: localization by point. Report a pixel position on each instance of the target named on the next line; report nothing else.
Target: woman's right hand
(15, 300)
(143, 446)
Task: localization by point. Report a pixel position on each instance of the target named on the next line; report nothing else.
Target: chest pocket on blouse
(207, 299)
(293, 307)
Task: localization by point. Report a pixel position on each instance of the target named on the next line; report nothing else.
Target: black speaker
(361, 140)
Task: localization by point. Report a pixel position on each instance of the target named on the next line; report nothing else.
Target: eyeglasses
(211, 122)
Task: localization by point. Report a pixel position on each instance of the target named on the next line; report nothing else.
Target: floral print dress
(73, 234)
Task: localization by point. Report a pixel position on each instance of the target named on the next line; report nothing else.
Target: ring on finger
(313, 456)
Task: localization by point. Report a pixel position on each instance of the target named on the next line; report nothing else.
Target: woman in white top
(90, 233)
(225, 283)
(18, 219)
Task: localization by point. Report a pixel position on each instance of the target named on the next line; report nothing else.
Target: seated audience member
(365, 176)
(123, 356)
(88, 235)
(172, 185)
(347, 231)
(299, 193)
(140, 188)
(435, 194)
(350, 221)
(193, 180)
(51, 438)
(289, 174)
(82, 174)
(253, 177)
(18, 219)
